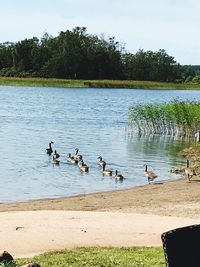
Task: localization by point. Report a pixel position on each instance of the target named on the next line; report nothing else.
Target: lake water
(93, 120)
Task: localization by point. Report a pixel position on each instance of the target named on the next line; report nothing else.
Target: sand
(132, 217)
(28, 233)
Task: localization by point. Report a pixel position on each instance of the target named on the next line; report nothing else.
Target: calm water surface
(93, 120)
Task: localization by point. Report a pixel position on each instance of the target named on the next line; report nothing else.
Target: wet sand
(173, 198)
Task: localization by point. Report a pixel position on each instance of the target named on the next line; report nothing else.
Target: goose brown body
(77, 156)
(83, 167)
(119, 177)
(55, 161)
(71, 159)
(106, 171)
(189, 172)
(101, 161)
(151, 176)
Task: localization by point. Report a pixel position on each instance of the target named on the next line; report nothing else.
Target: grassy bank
(43, 82)
(101, 257)
(180, 118)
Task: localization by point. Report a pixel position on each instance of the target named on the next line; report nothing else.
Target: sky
(172, 25)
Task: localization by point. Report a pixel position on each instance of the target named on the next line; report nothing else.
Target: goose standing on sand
(101, 161)
(55, 161)
(77, 156)
(71, 159)
(49, 150)
(106, 171)
(83, 167)
(188, 171)
(149, 174)
(118, 176)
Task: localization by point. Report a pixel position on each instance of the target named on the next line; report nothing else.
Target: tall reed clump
(177, 118)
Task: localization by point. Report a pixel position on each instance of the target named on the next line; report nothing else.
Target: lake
(93, 120)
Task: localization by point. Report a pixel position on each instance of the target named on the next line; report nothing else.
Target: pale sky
(172, 25)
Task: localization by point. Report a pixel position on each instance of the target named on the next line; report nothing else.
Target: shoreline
(172, 198)
(120, 84)
(120, 218)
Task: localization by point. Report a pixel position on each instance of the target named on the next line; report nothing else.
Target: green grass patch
(180, 118)
(100, 257)
(45, 82)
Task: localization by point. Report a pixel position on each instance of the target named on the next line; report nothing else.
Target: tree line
(75, 54)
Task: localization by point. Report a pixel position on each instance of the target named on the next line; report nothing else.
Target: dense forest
(76, 54)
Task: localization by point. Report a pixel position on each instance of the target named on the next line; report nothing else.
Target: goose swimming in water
(149, 174)
(56, 155)
(106, 171)
(71, 159)
(49, 150)
(83, 167)
(55, 161)
(77, 156)
(118, 176)
(101, 161)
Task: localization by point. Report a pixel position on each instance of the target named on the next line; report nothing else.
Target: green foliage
(174, 118)
(76, 54)
(101, 257)
(151, 66)
(196, 79)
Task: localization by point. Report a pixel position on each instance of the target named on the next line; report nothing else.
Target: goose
(101, 162)
(55, 161)
(188, 171)
(149, 174)
(82, 163)
(71, 159)
(77, 156)
(83, 167)
(106, 172)
(49, 150)
(56, 155)
(118, 176)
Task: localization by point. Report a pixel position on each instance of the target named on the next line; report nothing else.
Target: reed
(177, 118)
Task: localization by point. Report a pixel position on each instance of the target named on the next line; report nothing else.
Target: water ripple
(93, 120)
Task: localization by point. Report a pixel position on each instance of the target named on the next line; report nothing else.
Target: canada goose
(118, 176)
(55, 161)
(83, 167)
(49, 150)
(101, 162)
(106, 172)
(149, 174)
(77, 156)
(56, 155)
(82, 163)
(71, 159)
(188, 171)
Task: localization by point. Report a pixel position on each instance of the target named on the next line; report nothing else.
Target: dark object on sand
(6, 257)
(181, 246)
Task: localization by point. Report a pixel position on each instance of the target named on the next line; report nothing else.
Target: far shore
(172, 198)
(68, 83)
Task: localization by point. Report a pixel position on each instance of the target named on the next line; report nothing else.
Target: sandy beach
(131, 217)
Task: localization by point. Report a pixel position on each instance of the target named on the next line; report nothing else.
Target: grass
(180, 118)
(44, 82)
(100, 257)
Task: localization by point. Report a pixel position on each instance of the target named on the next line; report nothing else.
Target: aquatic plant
(177, 117)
